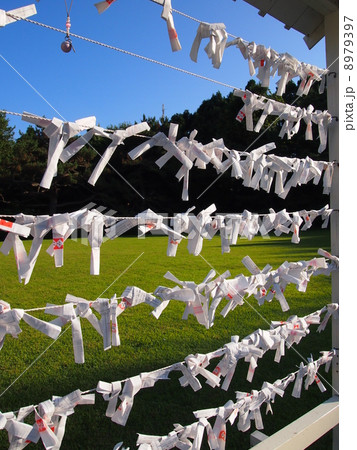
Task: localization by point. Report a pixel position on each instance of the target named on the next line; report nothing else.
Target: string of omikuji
(43, 414)
(50, 415)
(289, 114)
(201, 300)
(203, 226)
(268, 61)
(256, 168)
(292, 117)
(264, 62)
(244, 410)
(61, 132)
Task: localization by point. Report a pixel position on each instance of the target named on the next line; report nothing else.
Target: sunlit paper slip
(167, 16)
(199, 155)
(259, 57)
(13, 227)
(13, 241)
(103, 6)
(196, 297)
(61, 233)
(131, 387)
(169, 144)
(180, 224)
(10, 318)
(42, 225)
(117, 138)
(109, 309)
(200, 228)
(83, 310)
(252, 102)
(217, 35)
(244, 410)
(19, 13)
(66, 314)
(50, 421)
(247, 406)
(93, 222)
(59, 133)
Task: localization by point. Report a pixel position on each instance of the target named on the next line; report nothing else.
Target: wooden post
(332, 54)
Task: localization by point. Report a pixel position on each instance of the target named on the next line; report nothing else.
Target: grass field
(147, 343)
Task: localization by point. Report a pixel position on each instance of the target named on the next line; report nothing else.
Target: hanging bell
(66, 45)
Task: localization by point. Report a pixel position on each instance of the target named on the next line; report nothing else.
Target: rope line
(145, 219)
(200, 21)
(126, 52)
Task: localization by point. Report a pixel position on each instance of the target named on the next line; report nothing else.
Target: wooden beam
(304, 431)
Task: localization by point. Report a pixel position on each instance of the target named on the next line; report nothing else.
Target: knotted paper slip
(201, 300)
(51, 416)
(60, 133)
(244, 410)
(269, 63)
(289, 114)
(256, 168)
(189, 152)
(18, 13)
(200, 227)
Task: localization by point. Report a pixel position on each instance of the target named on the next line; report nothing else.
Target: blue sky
(116, 87)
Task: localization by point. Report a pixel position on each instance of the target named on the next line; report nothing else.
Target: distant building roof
(305, 16)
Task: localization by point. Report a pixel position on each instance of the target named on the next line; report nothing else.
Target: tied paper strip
(117, 137)
(50, 421)
(290, 115)
(48, 413)
(66, 313)
(109, 309)
(22, 12)
(103, 6)
(180, 223)
(146, 221)
(217, 35)
(167, 16)
(269, 62)
(13, 227)
(40, 226)
(256, 168)
(59, 133)
(169, 144)
(10, 318)
(244, 410)
(203, 299)
(200, 227)
(133, 386)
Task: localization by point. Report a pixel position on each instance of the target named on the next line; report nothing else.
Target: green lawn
(147, 343)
